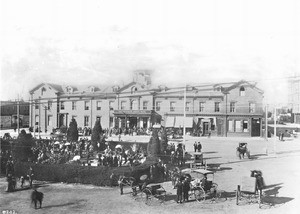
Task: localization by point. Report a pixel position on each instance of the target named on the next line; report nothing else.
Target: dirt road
(281, 173)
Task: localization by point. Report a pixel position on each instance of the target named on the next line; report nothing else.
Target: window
(37, 119)
(111, 105)
(111, 121)
(245, 126)
(62, 105)
(73, 105)
(123, 105)
(98, 118)
(238, 126)
(86, 120)
(187, 106)
(98, 105)
(230, 126)
(36, 105)
(172, 106)
(251, 107)
(49, 104)
(133, 105)
(232, 106)
(145, 105)
(50, 120)
(157, 106)
(201, 106)
(217, 106)
(242, 91)
(42, 91)
(86, 105)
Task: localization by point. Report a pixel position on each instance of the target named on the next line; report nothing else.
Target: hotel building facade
(225, 109)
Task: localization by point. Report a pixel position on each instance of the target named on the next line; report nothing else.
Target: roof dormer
(69, 89)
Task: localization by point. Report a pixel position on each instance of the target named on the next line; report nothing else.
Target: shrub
(71, 173)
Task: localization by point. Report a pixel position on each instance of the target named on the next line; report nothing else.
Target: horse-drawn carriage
(250, 189)
(242, 149)
(202, 185)
(198, 161)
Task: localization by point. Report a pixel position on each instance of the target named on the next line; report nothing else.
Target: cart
(242, 149)
(198, 161)
(250, 189)
(202, 186)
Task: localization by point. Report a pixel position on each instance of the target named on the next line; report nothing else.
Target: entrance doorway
(132, 122)
(255, 127)
(61, 120)
(205, 128)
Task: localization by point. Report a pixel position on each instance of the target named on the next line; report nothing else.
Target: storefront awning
(188, 122)
(170, 122)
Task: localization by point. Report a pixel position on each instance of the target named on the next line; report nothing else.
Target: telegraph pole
(275, 134)
(18, 115)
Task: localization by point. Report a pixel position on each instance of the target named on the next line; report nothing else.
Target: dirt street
(281, 173)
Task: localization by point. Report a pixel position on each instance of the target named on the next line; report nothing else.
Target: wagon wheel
(238, 194)
(147, 196)
(161, 194)
(130, 181)
(199, 194)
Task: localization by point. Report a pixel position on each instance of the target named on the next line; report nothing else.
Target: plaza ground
(278, 160)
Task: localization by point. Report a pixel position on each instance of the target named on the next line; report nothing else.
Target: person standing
(186, 189)
(195, 146)
(179, 187)
(199, 146)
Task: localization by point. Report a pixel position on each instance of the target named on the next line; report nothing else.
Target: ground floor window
(86, 120)
(50, 120)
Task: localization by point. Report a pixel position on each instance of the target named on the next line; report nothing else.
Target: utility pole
(266, 128)
(275, 134)
(18, 115)
(184, 115)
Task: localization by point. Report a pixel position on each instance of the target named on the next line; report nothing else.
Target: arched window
(242, 91)
(133, 89)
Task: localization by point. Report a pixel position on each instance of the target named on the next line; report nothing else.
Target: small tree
(164, 141)
(96, 134)
(22, 149)
(72, 133)
(153, 148)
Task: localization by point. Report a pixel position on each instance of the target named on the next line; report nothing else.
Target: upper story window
(111, 105)
(49, 104)
(123, 105)
(43, 91)
(242, 91)
(232, 106)
(98, 105)
(92, 89)
(86, 105)
(69, 89)
(133, 105)
(157, 106)
(73, 105)
(187, 106)
(145, 105)
(251, 107)
(172, 106)
(36, 105)
(133, 89)
(201, 106)
(62, 105)
(217, 106)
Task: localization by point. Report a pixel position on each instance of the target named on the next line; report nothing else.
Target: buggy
(202, 185)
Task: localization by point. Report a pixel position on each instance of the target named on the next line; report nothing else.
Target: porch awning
(170, 122)
(188, 122)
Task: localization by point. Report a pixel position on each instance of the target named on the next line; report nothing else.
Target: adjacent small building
(224, 109)
(294, 98)
(9, 114)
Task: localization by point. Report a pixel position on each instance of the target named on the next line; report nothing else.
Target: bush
(71, 173)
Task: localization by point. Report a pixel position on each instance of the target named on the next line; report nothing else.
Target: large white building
(220, 109)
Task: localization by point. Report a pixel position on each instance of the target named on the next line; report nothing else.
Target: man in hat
(179, 186)
(186, 189)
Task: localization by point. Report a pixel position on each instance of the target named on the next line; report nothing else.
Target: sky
(182, 41)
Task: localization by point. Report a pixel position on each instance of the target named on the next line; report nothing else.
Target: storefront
(136, 118)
